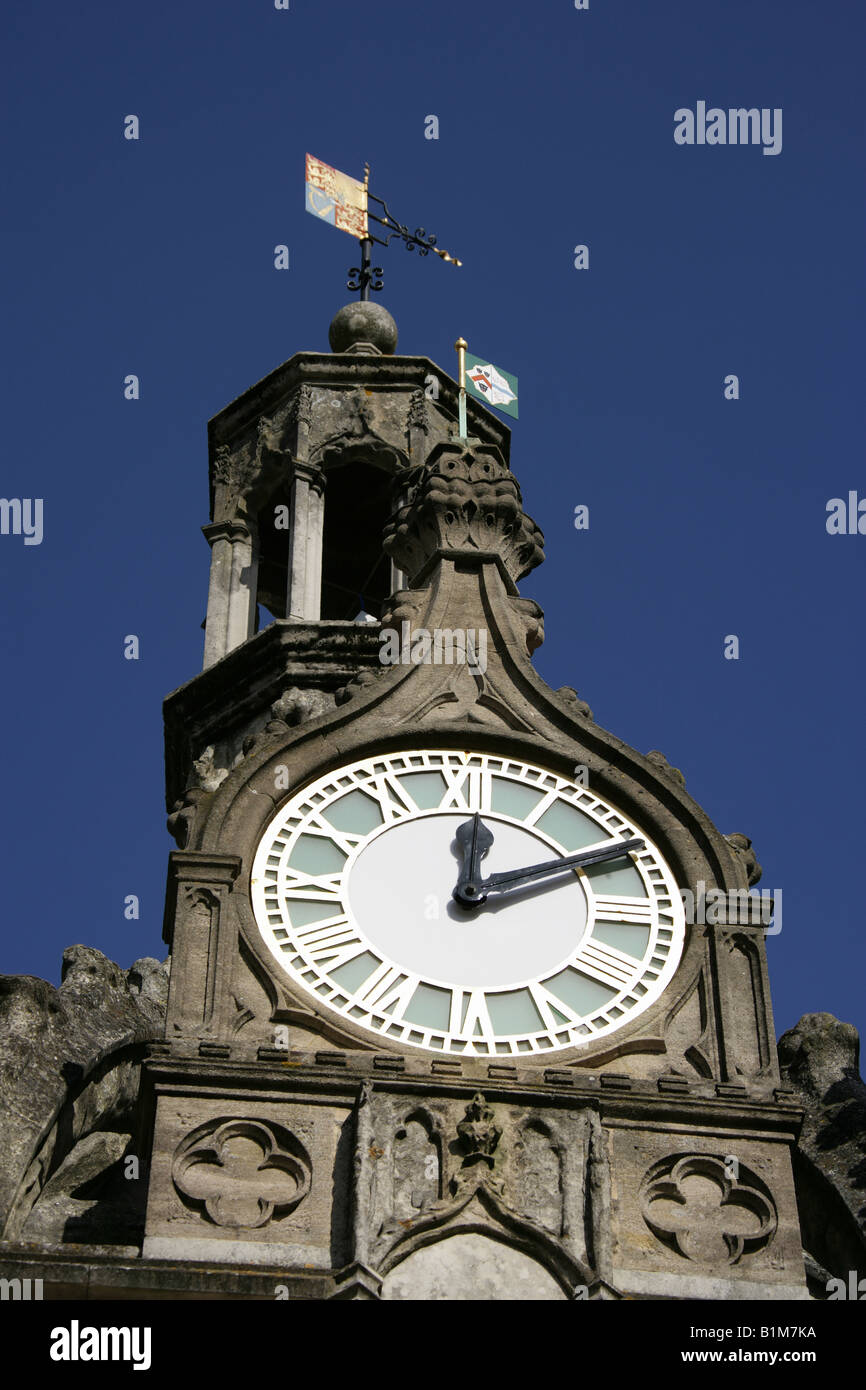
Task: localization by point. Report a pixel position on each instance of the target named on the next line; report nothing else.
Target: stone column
(304, 596)
(202, 943)
(231, 599)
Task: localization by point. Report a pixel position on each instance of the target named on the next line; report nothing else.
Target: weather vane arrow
(344, 202)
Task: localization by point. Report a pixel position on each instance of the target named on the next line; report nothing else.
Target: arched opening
(355, 570)
(469, 1265)
(274, 533)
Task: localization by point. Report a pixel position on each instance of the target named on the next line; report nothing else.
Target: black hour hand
(475, 841)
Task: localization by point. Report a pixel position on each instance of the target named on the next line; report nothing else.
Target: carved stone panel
(747, 1049)
(202, 942)
(703, 1218)
(694, 1205)
(243, 1173)
(419, 1169)
(248, 1179)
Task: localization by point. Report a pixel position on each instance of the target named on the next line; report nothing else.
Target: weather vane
(344, 202)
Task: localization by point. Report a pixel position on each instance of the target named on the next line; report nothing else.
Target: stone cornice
(643, 1104)
(339, 372)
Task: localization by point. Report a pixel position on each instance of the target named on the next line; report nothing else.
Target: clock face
(352, 889)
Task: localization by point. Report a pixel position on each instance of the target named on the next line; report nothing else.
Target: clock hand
(475, 841)
(474, 892)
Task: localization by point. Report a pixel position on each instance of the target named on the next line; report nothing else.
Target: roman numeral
(545, 1002)
(604, 964)
(544, 805)
(319, 887)
(639, 910)
(346, 839)
(464, 789)
(388, 990)
(477, 1023)
(330, 945)
(394, 799)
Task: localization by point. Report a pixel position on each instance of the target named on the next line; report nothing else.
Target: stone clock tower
(442, 1018)
(396, 1064)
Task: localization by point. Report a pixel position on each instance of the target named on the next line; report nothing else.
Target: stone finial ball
(363, 322)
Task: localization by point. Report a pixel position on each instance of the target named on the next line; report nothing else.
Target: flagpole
(366, 245)
(461, 345)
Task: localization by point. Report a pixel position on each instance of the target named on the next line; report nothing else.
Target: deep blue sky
(707, 517)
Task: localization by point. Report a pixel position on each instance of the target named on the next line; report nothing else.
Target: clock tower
(446, 1017)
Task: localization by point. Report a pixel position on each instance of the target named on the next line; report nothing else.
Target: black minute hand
(472, 893)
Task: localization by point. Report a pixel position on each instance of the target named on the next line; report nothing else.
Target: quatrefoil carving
(243, 1172)
(691, 1203)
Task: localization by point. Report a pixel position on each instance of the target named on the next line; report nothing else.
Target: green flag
(491, 385)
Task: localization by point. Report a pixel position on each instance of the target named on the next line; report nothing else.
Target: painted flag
(491, 385)
(336, 198)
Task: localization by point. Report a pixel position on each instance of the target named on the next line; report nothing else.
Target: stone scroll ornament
(692, 1204)
(243, 1172)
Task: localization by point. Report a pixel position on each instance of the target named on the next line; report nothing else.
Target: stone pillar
(231, 599)
(304, 596)
(202, 942)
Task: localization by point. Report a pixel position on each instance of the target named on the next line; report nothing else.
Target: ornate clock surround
(240, 814)
(630, 939)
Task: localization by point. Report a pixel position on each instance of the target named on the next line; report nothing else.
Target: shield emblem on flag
(336, 198)
(491, 385)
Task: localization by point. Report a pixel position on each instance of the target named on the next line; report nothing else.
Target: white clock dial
(352, 891)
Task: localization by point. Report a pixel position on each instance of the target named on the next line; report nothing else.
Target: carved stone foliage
(417, 415)
(570, 696)
(479, 1133)
(693, 1204)
(295, 706)
(358, 684)
(242, 1173)
(462, 499)
(300, 408)
(478, 1136)
(205, 777)
(742, 846)
(235, 468)
(181, 820)
(206, 774)
(404, 606)
(659, 760)
(531, 616)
